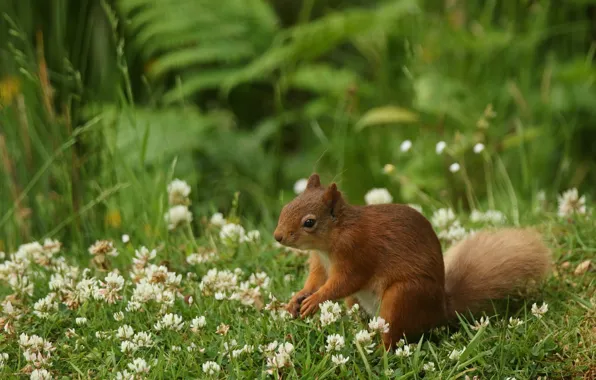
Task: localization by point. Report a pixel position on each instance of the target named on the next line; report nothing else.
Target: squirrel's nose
(278, 236)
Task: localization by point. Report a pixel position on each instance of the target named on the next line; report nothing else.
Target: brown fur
(392, 251)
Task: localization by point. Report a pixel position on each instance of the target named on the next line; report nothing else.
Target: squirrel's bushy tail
(492, 265)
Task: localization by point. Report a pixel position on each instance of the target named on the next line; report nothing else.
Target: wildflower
(388, 372)
(454, 233)
(339, 359)
(454, 167)
(36, 350)
(515, 322)
(40, 374)
(118, 316)
(429, 367)
(260, 279)
(289, 278)
(379, 324)
(281, 358)
(200, 258)
(44, 306)
(478, 148)
(178, 192)
(217, 219)
(222, 329)
(142, 339)
(176, 348)
(483, 322)
(364, 338)
(252, 236)
(388, 168)
(139, 366)
(81, 321)
(177, 216)
(300, 185)
(570, 202)
(354, 309)
(378, 196)
(211, 368)
(455, 354)
(125, 332)
(103, 247)
(539, 311)
(110, 288)
(335, 342)
(125, 238)
(3, 359)
(405, 146)
(231, 234)
(169, 322)
(441, 145)
(490, 216)
(442, 218)
(404, 351)
(128, 347)
(330, 312)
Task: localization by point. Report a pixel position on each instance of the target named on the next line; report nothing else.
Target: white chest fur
(367, 299)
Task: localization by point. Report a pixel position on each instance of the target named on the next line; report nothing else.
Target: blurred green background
(103, 102)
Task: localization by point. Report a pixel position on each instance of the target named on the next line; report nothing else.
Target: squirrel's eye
(309, 223)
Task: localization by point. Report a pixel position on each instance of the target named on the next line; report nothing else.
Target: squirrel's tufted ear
(331, 197)
(313, 181)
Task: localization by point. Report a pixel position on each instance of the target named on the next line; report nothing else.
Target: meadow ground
(209, 304)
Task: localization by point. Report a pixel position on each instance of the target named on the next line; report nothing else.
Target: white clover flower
(197, 323)
(200, 258)
(252, 236)
(442, 218)
(405, 146)
(44, 306)
(455, 354)
(260, 279)
(490, 216)
(515, 322)
(454, 233)
(232, 234)
(177, 216)
(139, 366)
(478, 148)
(211, 368)
(483, 322)
(354, 309)
(125, 238)
(378, 196)
(454, 167)
(128, 347)
(110, 288)
(335, 342)
(378, 324)
(539, 311)
(125, 332)
(404, 351)
(178, 192)
(388, 168)
(429, 367)
(143, 339)
(339, 359)
(571, 203)
(81, 321)
(118, 316)
(103, 247)
(3, 359)
(330, 312)
(300, 185)
(441, 145)
(218, 219)
(170, 322)
(40, 374)
(364, 338)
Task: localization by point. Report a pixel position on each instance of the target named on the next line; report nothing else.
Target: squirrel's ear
(313, 181)
(331, 196)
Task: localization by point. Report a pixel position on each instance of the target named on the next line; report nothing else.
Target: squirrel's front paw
(310, 305)
(293, 306)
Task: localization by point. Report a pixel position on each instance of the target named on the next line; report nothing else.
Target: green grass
(558, 345)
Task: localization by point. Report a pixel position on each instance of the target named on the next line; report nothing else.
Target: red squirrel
(388, 258)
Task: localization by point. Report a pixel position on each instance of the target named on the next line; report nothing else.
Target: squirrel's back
(491, 265)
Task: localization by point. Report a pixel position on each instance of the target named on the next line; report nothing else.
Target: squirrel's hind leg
(411, 309)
